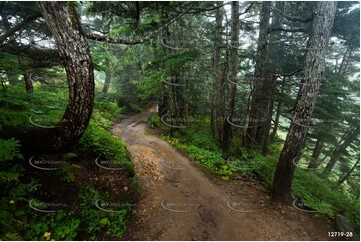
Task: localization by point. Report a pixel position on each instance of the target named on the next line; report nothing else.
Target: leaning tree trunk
(64, 23)
(314, 163)
(317, 45)
(227, 128)
(339, 151)
(343, 179)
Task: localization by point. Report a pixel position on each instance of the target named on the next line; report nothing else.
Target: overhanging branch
(299, 30)
(103, 38)
(18, 27)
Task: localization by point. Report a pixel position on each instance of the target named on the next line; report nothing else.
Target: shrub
(9, 150)
(103, 143)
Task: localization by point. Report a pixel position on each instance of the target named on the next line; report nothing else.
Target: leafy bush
(318, 192)
(45, 106)
(9, 149)
(211, 160)
(103, 143)
(112, 222)
(154, 121)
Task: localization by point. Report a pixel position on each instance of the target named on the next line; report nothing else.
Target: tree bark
(217, 71)
(26, 75)
(314, 163)
(324, 14)
(278, 111)
(339, 151)
(64, 23)
(259, 102)
(227, 128)
(343, 179)
(108, 78)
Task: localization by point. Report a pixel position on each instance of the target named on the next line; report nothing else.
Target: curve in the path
(180, 202)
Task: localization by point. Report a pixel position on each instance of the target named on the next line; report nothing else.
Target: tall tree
(324, 14)
(63, 21)
(227, 127)
(341, 148)
(217, 69)
(261, 84)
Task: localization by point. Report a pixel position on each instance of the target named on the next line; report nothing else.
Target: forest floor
(180, 200)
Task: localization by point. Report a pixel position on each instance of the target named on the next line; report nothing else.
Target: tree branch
(282, 14)
(18, 27)
(103, 38)
(299, 30)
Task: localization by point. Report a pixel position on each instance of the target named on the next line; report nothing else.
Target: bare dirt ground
(182, 201)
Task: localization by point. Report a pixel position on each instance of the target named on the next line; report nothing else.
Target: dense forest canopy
(266, 90)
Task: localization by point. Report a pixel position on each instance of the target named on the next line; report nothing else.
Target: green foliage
(54, 226)
(318, 192)
(103, 143)
(154, 121)
(112, 222)
(19, 222)
(9, 149)
(45, 106)
(65, 172)
(211, 160)
(69, 156)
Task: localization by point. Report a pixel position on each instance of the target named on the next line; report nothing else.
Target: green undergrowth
(45, 106)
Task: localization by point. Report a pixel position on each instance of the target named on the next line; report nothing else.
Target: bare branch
(299, 30)
(296, 19)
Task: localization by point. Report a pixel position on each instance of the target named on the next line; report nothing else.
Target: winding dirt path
(181, 201)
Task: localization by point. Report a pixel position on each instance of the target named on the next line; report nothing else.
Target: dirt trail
(181, 201)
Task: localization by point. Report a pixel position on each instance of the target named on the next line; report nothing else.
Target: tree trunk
(64, 23)
(278, 111)
(227, 128)
(314, 163)
(343, 179)
(259, 102)
(26, 75)
(28, 82)
(316, 49)
(344, 63)
(217, 71)
(108, 78)
(339, 151)
(269, 92)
